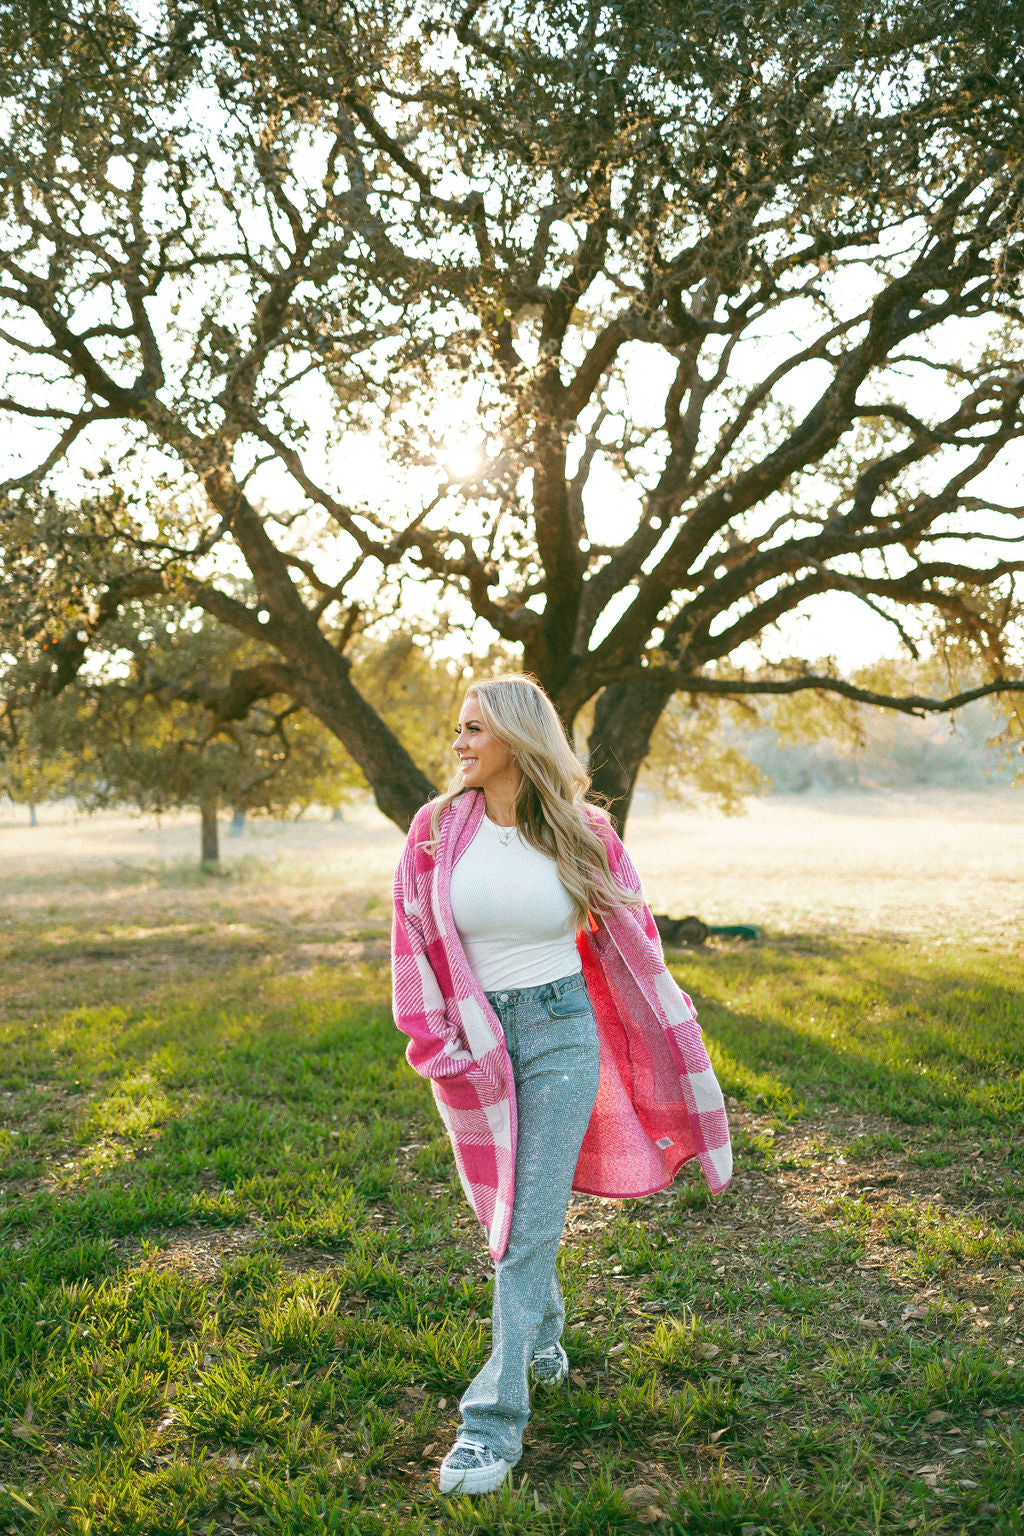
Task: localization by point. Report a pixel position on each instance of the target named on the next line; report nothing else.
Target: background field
(929, 863)
(240, 1289)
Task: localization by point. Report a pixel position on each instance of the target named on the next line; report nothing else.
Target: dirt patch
(197, 1252)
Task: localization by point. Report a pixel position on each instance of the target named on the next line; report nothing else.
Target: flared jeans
(551, 1038)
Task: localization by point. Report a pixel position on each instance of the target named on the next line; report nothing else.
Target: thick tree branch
(910, 704)
(232, 699)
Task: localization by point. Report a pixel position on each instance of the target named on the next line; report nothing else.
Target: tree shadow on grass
(918, 1038)
(227, 1096)
(226, 1078)
(283, 1103)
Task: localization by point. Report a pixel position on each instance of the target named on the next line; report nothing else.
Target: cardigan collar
(459, 827)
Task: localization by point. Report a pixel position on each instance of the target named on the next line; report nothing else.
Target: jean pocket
(571, 1005)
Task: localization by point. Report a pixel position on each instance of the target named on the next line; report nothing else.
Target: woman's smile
(482, 756)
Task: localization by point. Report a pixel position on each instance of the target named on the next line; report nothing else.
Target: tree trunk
(32, 819)
(399, 786)
(209, 861)
(321, 673)
(624, 718)
(237, 826)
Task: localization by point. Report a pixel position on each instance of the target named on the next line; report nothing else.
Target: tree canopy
(726, 301)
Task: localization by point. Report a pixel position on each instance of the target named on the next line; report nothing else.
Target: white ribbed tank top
(513, 914)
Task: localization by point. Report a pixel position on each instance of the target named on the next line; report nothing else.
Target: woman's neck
(499, 803)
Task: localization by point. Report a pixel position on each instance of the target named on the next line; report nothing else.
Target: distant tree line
(141, 732)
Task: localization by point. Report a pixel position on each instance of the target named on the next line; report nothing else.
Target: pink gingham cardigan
(658, 1101)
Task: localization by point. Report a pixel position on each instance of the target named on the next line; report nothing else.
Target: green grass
(240, 1290)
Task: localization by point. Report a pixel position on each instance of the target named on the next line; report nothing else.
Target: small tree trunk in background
(32, 821)
(209, 860)
(336, 814)
(237, 823)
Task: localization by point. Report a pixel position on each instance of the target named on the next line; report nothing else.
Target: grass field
(240, 1290)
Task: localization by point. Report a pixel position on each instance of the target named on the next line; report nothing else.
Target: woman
(529, 977)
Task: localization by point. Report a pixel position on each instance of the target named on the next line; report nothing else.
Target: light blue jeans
(552, 1042)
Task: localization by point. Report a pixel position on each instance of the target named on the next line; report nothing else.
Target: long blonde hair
(549, 803)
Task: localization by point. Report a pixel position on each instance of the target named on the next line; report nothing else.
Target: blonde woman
(529, 977)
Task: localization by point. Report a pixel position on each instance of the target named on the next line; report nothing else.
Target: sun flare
(462, 458)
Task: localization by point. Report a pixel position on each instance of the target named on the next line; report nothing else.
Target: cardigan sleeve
(436, 1048)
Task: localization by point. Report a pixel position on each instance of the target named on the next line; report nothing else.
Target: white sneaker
(550, 1366)
(471, 1467)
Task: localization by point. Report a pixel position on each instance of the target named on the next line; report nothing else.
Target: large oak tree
(733, 293)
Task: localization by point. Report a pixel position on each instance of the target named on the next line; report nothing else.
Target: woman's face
(484, 760)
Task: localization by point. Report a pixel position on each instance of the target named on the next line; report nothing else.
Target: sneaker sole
(474, 1479)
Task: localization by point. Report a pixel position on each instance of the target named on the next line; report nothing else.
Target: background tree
(699, 752)
(749, 276)
(814, 742)
(805, 743)
(160, 757)
(176, 710)
(179, 713)
(35, 765)
(418, 693)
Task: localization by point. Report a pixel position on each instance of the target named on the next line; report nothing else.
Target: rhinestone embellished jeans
(552, 1042)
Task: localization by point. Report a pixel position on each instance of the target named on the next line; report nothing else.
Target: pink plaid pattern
(658, 1101)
